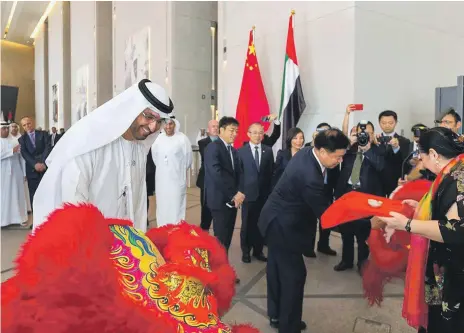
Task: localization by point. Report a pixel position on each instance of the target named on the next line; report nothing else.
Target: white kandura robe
(172, 156)
(15, 140)
(107, 178)
(13, 202)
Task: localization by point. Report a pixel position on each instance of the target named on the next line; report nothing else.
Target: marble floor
(333, 301)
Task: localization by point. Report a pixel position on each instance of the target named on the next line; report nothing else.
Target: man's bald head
(213, 127)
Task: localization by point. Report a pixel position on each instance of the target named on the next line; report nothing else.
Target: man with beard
(108, 169)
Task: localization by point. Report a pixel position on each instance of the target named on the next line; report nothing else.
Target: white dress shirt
(322, 167)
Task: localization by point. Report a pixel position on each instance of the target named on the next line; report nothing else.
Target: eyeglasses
(446, 122)
(152, 118)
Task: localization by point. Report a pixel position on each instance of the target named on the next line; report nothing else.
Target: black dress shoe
(342, 266)
(310, 254)
(237, 281)
(246, 258)
(260, 257)
(327, 250)
(274, 323)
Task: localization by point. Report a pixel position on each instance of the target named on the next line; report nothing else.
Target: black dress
(444, 280)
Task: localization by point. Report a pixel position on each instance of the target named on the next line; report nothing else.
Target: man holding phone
(394, 147)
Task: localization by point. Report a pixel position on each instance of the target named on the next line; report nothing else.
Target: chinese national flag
(252, 104)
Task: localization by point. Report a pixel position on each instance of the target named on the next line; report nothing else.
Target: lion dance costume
(82, 272)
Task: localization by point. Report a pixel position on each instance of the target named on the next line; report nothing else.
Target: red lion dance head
(81, 272)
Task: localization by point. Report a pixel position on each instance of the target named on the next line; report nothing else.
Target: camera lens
(363, 139)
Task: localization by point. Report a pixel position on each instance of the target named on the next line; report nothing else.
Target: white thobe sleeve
(76, 178)
(188, 152)
(140, 209)
(6, 152)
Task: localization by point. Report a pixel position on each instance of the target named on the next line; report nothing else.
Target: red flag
(252, 104)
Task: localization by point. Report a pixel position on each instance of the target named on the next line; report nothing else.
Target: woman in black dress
(441, 152)
(295, 141)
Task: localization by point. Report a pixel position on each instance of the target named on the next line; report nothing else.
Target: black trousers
(286, 277)
(206, 216)
(437, 324)
(324, 235)
(33, 184)
(361, 230)
(250, 236)
(224, 224)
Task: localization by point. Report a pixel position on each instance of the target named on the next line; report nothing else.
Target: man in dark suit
(362, 170)
(222, 181)
(394, 147)
(329, 185)
(270, 140)
(206, 217)
(54, 137)
(35, 147)
(284, 222)
(258, 164)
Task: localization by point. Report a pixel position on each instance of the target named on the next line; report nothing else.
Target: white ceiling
(25, 19)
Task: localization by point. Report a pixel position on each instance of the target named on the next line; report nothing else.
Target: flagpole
(253, 33)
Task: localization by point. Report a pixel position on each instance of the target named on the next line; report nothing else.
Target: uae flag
(292, 103)
(252, 104)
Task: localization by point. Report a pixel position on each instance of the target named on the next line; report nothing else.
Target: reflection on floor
(333, 301)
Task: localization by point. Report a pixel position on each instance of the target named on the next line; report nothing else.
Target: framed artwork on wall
(55, 103)
(81, 106)
(137, 58)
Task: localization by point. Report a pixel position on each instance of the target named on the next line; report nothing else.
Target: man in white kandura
(102, 158)
(14, 137)
(172, 155)
(13, 202)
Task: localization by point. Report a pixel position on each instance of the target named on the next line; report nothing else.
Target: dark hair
(421, 126)
(331, 140)
(292, 132)
(226, 121)
(388, 113)
(368, 123)
(323, 125)
(443, 140)
(453, 113)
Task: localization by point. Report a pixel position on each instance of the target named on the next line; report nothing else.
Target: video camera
(363, 137)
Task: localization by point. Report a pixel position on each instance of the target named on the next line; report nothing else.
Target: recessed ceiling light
(43, 18)
(10, 18)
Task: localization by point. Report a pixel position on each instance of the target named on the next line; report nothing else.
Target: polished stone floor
(333, 301)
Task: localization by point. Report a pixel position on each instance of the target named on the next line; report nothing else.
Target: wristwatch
(407, 227)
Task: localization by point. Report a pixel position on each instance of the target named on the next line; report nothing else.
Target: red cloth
(353, 205)
(252, 103)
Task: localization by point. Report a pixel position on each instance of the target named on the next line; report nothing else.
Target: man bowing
(284, 222)
(172, 155)
(108, 169)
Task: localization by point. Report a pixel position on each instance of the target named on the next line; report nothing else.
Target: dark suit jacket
(35, 155)
(371, 172)
(222, 181)
(57, 138)
(299, 193)
(282, 159)
(256, 183)
(201, 173)
(394, 162)
(272, 139)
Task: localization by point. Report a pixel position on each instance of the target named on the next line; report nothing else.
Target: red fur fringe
(69, 285)
(174, 240)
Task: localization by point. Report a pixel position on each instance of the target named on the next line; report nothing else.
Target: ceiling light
(10, 18)
(43, 18)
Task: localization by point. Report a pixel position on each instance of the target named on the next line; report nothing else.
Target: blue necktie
(229, 148)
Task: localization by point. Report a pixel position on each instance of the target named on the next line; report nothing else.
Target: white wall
(404, 50)
(41, 78)
(324, 39)
(58, 72)
(129, 18)
(191, 70)
(83, 52)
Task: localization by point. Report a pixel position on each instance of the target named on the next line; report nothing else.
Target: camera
(384, 139)
(363, 137)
